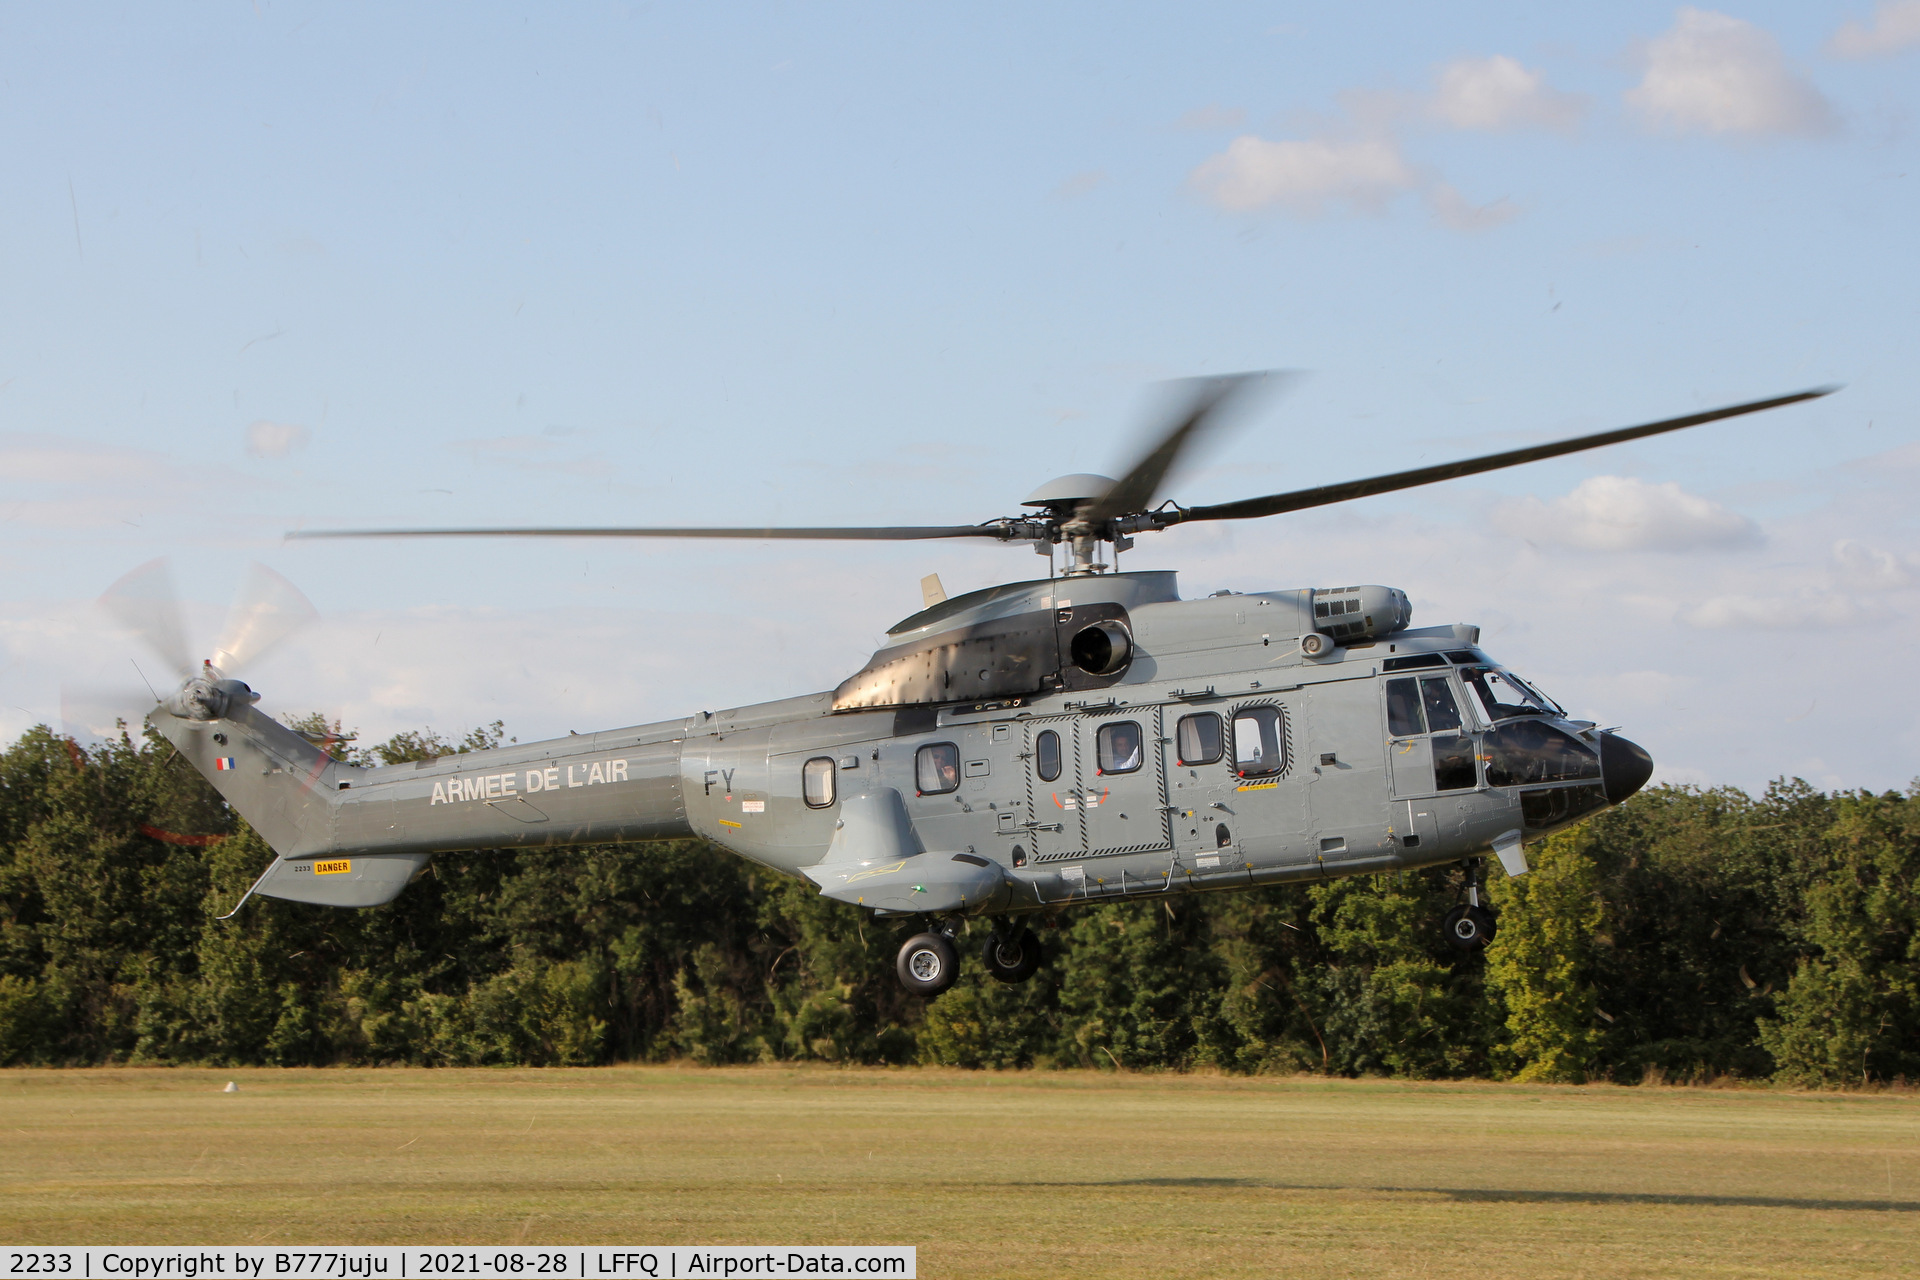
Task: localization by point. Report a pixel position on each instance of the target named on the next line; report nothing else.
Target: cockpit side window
(1538, 696)
(1442, 711)
(1454, 766)
(1499, 696)
(1416, 706)
(936, 768)
(1403, 708)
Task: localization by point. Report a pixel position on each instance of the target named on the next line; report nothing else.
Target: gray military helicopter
(1084, 737)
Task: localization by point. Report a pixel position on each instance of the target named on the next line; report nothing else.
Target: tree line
(1689, 934)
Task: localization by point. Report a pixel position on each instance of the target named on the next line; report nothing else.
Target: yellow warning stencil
(339, 866)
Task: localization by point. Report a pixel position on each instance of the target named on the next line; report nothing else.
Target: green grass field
(1034, 1174)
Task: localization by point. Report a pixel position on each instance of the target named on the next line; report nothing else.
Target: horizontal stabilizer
(356, 881)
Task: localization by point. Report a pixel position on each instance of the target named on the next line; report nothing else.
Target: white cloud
(1783, 611)
(1896, 26)
(1620, 513)
(1716, 74)
(1855, 588)
(275, 439)
(1648, 690)
(1497, 93)
(1357, 165)
(39, 459)
(1868, 568)
(1306, 176)
(1456, 211)
(62, 483)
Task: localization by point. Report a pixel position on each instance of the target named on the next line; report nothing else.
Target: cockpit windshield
(1501, 695)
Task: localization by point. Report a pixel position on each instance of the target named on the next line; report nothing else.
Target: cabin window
(1403, 708)
(1046, 755)
(936, 768)
(1442, 711)
(1200, 739)
(1118, 747)
(816, 782)
(1259, 742)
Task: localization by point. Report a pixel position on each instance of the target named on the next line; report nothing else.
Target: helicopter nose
(1624, 767)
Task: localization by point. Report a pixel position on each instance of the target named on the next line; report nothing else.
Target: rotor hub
(1064, 493)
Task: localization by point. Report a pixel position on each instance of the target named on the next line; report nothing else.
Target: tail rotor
(267, 610)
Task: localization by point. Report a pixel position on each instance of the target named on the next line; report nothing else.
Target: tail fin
(288, 790)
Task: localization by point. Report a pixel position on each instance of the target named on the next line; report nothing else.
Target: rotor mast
(1067, 502)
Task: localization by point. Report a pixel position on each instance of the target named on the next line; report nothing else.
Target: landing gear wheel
(1469, 928)
(1012, 956)
(927, 965)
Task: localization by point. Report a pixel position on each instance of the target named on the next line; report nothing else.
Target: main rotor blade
(145, 603)
(904, 533)
(267, 611)
(1300, 499)
(1137, 489)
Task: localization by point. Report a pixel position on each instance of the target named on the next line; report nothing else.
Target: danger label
(339, 866)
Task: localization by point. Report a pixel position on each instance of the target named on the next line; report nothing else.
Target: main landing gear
(1470, 926)
(928, 962)
(1012, 953)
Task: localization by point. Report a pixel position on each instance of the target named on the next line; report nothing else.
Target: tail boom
(349, 836)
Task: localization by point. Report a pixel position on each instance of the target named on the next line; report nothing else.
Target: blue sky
(277, 266)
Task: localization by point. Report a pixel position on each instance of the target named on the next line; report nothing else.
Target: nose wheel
(1470, 926)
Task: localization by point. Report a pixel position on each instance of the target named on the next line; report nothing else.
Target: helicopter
(1012, 752)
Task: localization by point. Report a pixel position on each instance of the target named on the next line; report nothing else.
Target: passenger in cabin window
(1123, 744)
(937, 768)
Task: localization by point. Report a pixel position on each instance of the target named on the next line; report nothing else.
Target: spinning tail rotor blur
(265, 613)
